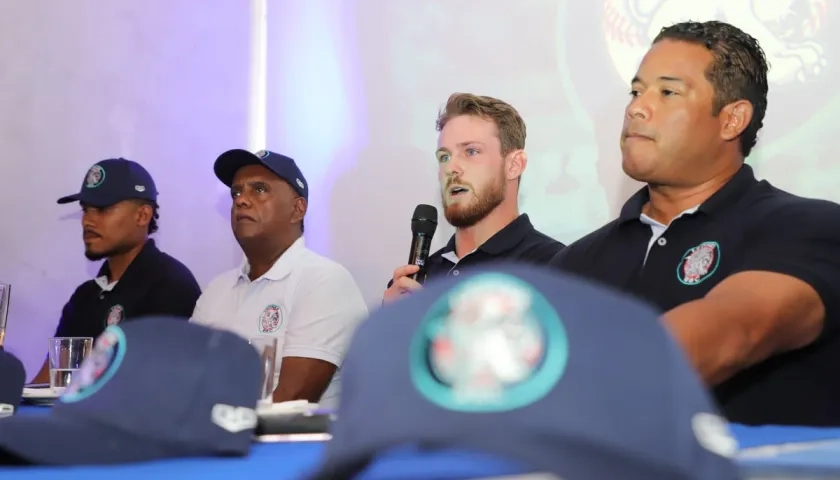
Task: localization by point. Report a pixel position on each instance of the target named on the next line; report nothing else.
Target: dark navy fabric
(112, 181)
(12, 379)
(626, 405)
(150, 389)
(284, 167)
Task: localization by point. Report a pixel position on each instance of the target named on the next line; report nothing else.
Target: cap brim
(69, 199)
(409, 463)
(229, 162)
(61, 440)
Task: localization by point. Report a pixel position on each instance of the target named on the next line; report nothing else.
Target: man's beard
(460, 215)
(117, 250)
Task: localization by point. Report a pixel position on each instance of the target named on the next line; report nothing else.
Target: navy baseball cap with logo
(284, 167)
(12, 379)
(112, 181)
(547, 372)
(154, 388)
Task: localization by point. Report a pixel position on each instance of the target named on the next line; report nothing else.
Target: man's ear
(144, 215)
(515, 163)
(735, 118)
(299, 210)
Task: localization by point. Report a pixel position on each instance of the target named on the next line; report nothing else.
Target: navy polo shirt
(153, 284)
(747, 225)
(519, 241)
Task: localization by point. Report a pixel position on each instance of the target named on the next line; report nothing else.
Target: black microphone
(423, 226)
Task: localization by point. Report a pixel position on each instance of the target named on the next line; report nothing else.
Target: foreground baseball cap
(152, 388)
(284, 167)
(530, 366)
(12, 379)
(112, 181)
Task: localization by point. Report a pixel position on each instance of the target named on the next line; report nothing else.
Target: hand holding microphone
(409, 278)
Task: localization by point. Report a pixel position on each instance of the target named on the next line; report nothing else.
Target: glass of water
(66, 357)
(267, 348)
(5, 293)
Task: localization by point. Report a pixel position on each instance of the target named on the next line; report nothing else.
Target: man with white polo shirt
(309, 303)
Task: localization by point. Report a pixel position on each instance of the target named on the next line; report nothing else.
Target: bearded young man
(481, 157)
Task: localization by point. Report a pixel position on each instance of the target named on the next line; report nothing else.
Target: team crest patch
(271, 319)
(115, 315)
(99, 366)
(262, 154)
(95, 177)
(699, 263)
(491, 344)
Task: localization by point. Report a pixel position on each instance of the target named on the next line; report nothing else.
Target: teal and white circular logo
(262, 153)
(699, 263)
(493, 343)
(270, 319)
(95, 177)
(100, 365)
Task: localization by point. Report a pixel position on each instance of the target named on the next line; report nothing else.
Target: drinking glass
(66, 357)
(5, 293)
(267, 348)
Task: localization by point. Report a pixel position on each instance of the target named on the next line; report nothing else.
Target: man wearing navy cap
(309, 303)
(119, 211)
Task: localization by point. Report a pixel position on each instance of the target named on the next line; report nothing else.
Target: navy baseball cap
(12, 379)
(284, 167)
(554, 374)
(153, 388)
(112, 181)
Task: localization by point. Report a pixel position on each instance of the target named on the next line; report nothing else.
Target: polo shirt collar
(136, 266)
(731, 192)
(282, 266)
(504, 240)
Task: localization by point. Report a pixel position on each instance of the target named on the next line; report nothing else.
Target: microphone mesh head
(424, 220)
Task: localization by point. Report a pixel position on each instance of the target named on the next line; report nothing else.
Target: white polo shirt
(310, 303)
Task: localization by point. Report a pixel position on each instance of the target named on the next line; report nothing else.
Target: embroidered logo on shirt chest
(271, 319)
(115, 315)
(699, 263)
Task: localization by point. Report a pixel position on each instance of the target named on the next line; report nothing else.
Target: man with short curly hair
(747, 275)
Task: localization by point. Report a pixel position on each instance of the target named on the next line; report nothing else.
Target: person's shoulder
(171, 267)
(577, 250)
(84, 290)
(222, 282)
(324, 277)
(541, 246)
(317, 267)
(594, 237)
(776, 208)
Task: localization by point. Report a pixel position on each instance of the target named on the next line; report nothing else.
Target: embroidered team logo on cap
(99, 366)
(95, 177)
(262, 153)
(491, 344)
(115, 315)
(300, 183)
(270, 319)
(699, 263)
